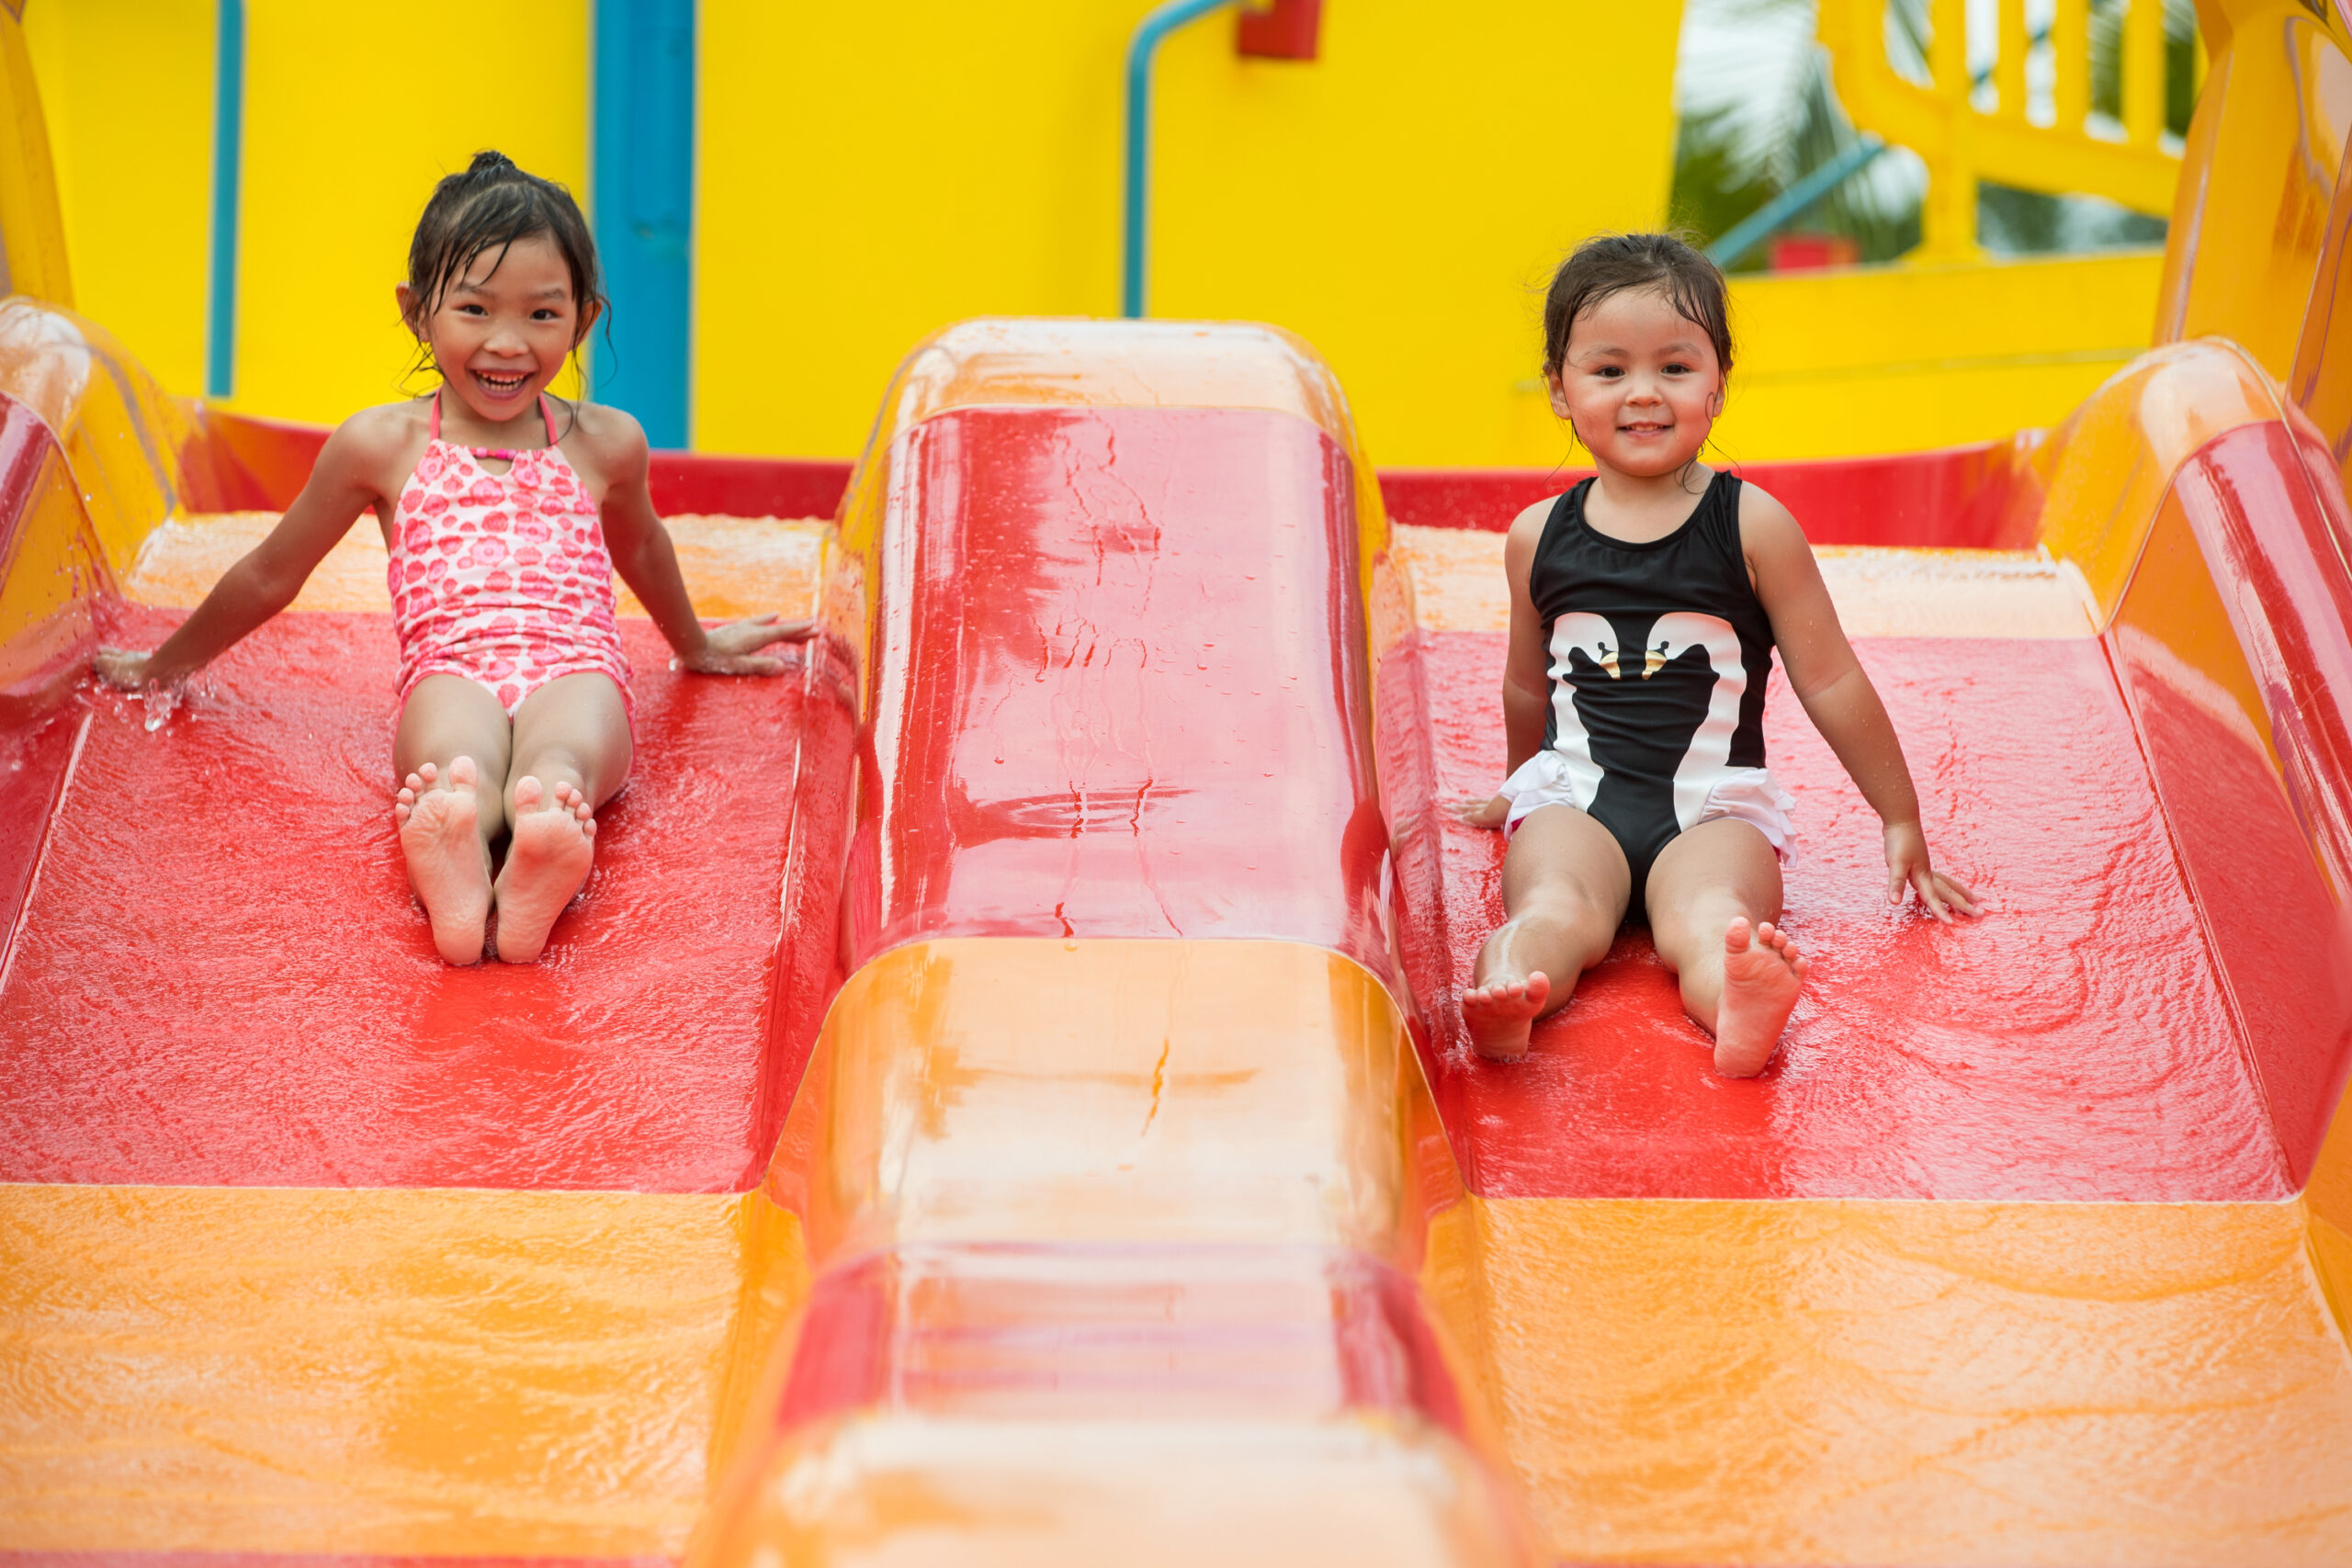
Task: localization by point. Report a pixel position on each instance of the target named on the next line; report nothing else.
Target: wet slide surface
(289, 1022)
(2072, 1043)
(1837, 1379)
(1114, 713)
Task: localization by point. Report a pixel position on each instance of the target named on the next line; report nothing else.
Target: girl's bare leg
(1565, 887)
(571, 751)
(450, 753)
(1713, 897)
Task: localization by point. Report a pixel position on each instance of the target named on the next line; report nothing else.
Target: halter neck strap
(432, 424)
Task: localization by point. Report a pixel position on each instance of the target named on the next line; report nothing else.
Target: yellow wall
(127, 87)
(1899, 358)
(352, 112)
(346, 129)
(872, 172)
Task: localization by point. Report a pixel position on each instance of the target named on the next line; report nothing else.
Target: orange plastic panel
(30, 222)
(1866, 1383)
(2104, 472)
(1197, 1091)
(880, 1491)
(2250, 217)
(118, 429)
(52, 570)
(54, 584)
(1030, 1332)
(2321, 383)
(397, 1373)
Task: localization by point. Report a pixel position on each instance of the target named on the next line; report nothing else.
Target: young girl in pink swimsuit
(505, 511)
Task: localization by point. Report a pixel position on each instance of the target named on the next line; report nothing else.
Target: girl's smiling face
(503, 328)
(1640, 383)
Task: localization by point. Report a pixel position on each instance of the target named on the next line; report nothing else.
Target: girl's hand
(1482, 810)
(732, 649)
(122, 667)
(1907, 865)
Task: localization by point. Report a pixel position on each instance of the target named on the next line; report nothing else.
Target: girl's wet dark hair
(488, 207)
(1610, 264)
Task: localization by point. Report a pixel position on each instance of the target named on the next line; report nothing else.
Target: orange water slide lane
(1005, 1339)
(308, 1244)
(1721, 1323)
(1114, 1159)
(1823, 1312)
(359, 1350)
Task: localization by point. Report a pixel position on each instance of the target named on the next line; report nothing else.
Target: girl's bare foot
(1499, 1013)
(447, 862)
(546, 860)
(1762, 976)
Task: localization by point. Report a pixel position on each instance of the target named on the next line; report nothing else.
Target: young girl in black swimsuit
(1645, 603)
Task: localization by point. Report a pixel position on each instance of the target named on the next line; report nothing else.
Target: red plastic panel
(2321, 381)
(1079, 1332)
(36, 754)
(2232, 644)
(238, 463)
(221, 977)
(50, 582)
(1119, 685)
(747, 487)
(1954, 498)
(2074, 1043)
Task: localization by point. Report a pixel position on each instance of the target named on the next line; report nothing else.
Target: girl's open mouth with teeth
(499, 386)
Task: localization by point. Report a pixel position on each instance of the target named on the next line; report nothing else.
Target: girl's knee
(1697, 924)
(1568, 904)
(548, 764)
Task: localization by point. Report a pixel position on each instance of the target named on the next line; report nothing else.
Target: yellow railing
(1962, 143)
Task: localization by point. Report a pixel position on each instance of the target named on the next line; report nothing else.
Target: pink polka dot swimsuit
(500, 578)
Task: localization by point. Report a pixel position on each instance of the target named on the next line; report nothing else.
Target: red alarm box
(1282, 31)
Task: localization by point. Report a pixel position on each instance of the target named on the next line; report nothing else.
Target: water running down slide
(1000, 1098)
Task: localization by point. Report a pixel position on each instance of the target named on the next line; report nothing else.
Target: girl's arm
(643, 555)
(344, 483)
(1839, 697)
(1527, 683)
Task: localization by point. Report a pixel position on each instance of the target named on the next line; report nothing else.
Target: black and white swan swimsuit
(1659, 656)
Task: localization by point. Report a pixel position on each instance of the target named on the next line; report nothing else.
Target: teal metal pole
(1155, 26)
(228, 156)
(1752, 230)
